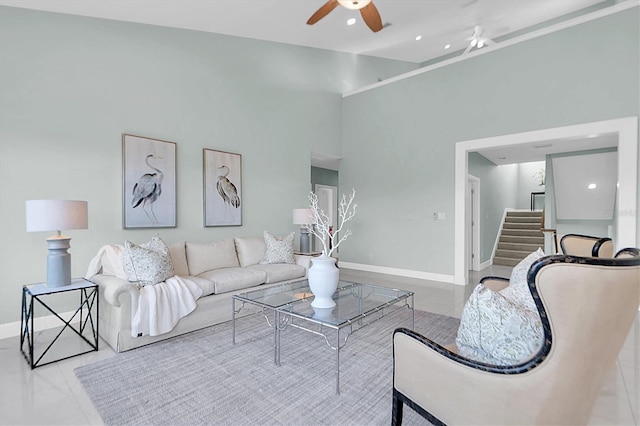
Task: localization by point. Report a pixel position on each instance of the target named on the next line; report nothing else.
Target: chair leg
(396, 413)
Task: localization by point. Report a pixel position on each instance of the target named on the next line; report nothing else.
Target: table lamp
(57, 215)
(303, 218)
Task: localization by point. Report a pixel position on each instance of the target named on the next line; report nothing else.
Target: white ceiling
(439, 22)
(537, 151)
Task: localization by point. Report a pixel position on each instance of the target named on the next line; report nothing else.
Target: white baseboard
(485, 265)
(399, 272)
(12, 329)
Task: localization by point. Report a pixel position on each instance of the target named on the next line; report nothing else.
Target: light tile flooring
(51, 394)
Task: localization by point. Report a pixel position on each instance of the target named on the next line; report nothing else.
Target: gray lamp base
(304, 240)
(58, 262)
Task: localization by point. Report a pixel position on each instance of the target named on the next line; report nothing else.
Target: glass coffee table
(357, 305)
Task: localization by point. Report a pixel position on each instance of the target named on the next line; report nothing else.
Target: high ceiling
(438, 22)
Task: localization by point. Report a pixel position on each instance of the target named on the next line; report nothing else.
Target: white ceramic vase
(323, 281)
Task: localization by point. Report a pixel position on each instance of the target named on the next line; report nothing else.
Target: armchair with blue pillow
(532, 350)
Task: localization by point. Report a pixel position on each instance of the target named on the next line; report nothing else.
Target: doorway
(328, 203)
(627, 132)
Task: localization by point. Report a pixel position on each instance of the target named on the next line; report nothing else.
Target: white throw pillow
(203, 257)
(147, 263)
(497, 331)
(250, 250)
(278, 249)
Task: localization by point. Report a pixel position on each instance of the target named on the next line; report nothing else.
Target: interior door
(328, 203)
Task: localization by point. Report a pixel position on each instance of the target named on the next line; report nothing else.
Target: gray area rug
(202, 378)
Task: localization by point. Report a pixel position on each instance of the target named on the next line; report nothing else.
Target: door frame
(331, 193)
(472, 222)
(626, 206)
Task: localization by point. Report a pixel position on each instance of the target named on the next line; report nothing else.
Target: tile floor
(51, 394)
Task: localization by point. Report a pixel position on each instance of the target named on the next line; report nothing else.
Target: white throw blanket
(160, 306)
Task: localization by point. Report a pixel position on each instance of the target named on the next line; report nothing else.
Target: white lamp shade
(56, 215)
(302, 217)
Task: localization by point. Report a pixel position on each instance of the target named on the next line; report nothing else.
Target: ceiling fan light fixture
(354, 4)
(474, 42)
(480, 44)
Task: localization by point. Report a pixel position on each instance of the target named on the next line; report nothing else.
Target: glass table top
(354, 301)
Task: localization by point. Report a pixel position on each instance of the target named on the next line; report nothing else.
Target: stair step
(537, 240)
(513, 254)
(523, 219)
(518, 246)
(522, 233)
(525, 214)
(505, 261)
(530, 226)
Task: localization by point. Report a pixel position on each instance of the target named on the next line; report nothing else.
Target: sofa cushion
(230, 279)
(205, 285)
(278, 249)
(250, 250)
(203, 257)
(277, 272)
(147, 263)
(179, 258)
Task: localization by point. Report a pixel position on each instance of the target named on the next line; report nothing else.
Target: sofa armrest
(303, 260)
(112, 287)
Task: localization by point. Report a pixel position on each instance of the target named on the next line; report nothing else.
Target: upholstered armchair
(587, 307)
(586, 246)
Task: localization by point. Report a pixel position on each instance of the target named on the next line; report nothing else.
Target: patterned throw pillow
(147, 263)
(502, 328)
(278, 250)
(497, 331)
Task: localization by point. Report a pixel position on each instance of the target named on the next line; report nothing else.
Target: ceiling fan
(368, 10)
(478, 40)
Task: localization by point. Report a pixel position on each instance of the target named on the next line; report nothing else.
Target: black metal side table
(83, 322)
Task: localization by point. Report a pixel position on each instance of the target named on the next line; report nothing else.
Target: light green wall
(498, 191)
(399, 139)
(70, 86)
(324, 177)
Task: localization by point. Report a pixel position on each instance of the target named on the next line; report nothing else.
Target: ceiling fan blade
(468, 49)
(371, 17)
(323, 11)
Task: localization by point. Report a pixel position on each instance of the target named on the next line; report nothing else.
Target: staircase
(520, 236)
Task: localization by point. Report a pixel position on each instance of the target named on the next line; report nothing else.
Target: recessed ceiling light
(447, 46)
(418, 38)
(592, 186)
(351, 21)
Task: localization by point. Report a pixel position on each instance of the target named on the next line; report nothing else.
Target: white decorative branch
(321, 223)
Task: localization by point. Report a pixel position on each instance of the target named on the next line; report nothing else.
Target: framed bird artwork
(223, 200)
(149, 183)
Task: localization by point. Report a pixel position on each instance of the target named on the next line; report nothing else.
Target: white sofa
(221, 269)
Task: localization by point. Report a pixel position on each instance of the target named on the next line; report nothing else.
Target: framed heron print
(222, 188)
(148, 183)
